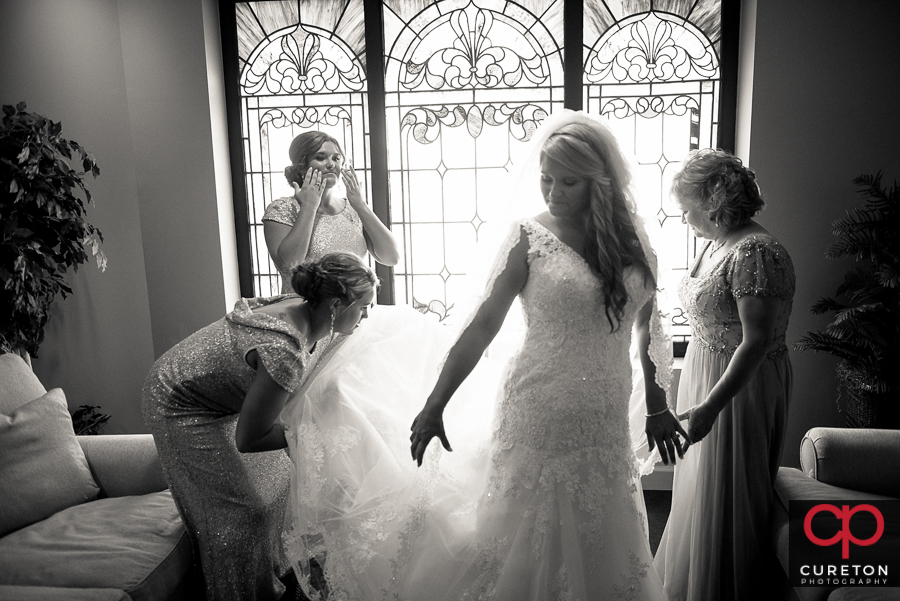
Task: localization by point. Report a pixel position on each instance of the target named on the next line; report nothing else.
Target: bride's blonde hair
(612, 244)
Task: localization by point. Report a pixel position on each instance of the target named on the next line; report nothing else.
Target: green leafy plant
(865, 330)
(86, 420)
(44, 233)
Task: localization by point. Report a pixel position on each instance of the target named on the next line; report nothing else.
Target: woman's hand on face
(663, 432)
(700, 421)
(310, 194)
(354, 195)
(426, 426)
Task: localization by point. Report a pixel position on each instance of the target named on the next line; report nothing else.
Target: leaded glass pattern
(466, 85)
(652, 69)
(302, 67)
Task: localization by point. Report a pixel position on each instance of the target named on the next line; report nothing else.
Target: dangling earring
(331, 329)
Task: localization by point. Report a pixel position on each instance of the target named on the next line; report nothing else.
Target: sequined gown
(340, 232)
(544, 504)
(715, 542)
(232, 503)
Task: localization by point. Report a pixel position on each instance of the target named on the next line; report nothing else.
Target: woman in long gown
(211, 403)
(735, 385)
(562, 515)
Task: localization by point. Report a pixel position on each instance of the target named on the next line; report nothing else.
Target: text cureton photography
(846, 543)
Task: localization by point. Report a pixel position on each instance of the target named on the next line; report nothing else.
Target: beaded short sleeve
(281, 348)
(761, 267)
(757, 266)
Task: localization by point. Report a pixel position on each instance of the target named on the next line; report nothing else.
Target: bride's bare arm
(468, 349)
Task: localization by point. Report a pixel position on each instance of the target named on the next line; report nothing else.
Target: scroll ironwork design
(426, 122)
(648, 106)
(304, 117)
(474, 60)
(301, 61)
(632, 54)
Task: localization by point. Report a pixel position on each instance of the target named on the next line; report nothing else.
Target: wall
(131, 83)
(823, 112)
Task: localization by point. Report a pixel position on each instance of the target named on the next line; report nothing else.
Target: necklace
(714, 248)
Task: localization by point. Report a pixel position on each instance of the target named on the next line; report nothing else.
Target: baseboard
(660, 479)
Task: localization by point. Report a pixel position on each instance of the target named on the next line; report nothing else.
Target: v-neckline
(693, 274)
(560, 241)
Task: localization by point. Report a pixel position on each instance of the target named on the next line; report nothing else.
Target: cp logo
(844, 536)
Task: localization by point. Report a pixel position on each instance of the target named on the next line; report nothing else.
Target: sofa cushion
(18, 384)
(793, 485)
(855, 458)
(137, 544)
(856, 593)
(47, 593)
(44, 469)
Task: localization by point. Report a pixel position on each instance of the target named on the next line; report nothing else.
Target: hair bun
(334, 275)
(294, 173)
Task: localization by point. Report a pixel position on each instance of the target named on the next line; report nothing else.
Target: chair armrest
(124, 464)
(864, 459)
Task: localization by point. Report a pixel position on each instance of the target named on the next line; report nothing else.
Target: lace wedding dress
(541, 501)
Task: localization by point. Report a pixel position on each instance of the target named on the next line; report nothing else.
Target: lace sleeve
(514, 236)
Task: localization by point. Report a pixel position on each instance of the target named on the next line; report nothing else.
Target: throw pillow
(18, 384)
(44, 469)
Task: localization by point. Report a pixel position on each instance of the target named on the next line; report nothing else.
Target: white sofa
(82, 517)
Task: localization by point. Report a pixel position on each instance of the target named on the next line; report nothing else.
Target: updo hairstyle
(302, 147)
(338, 275)
(716, 182)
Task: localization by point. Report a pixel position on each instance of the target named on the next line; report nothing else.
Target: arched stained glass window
(433, 101)
(466, 85)
(655, 75)
(302, 67)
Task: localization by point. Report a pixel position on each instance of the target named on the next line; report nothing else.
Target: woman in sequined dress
(735, 387)
(212, 403)
(320, 217)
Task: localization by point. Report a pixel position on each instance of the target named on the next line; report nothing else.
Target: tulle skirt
(716, 539)
(381, 528)
(356, 490)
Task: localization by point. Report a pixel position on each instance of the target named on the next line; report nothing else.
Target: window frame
(573, 28)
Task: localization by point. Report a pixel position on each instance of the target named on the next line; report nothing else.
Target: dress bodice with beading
(757, 265)
(572, 377)
(331, 233)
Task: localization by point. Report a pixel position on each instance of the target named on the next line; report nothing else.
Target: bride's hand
(663, 431)
(426, 426)
(309, 195)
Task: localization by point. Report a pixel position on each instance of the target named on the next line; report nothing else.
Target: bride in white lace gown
(546, 502)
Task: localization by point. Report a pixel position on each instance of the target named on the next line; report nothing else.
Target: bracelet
(666, 410)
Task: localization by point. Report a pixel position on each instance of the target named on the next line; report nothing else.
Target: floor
(659, 502)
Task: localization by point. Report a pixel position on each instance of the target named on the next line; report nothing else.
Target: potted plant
(865, 330)
(43, 228)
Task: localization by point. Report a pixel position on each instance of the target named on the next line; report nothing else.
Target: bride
(540, 501)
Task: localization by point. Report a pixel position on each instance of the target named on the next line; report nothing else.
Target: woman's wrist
(434, 404)
(662, 411)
